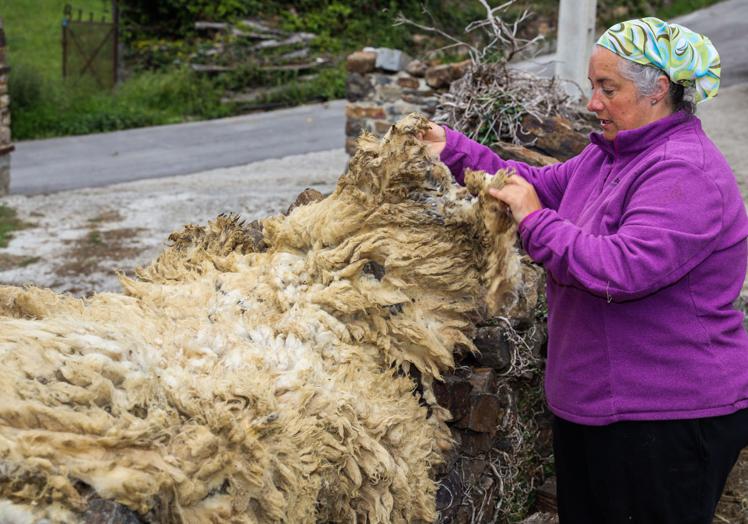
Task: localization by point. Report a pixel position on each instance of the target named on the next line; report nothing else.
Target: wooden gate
(89, 47)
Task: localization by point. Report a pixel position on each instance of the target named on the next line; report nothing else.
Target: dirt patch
(90, 253)
(8, 261)
(733, 507)
(109, 215)
(9, 222)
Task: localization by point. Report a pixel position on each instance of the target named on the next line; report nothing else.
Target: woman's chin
(609, 134)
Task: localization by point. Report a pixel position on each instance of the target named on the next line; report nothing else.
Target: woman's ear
(663, 87)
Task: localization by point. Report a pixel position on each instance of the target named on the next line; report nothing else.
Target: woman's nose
(594, 104)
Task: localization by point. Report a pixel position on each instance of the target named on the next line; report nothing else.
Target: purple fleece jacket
(644, 242)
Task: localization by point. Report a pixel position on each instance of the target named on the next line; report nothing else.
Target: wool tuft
(263, 372)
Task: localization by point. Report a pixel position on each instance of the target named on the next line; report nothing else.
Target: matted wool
(262, 374)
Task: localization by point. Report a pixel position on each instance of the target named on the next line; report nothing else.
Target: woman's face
(615, 100)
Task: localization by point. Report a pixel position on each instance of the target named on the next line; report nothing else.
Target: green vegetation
(9, 222)
(161, 39)
(150, 98)
(33, 29)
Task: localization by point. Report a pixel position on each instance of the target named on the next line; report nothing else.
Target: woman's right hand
(435, 139)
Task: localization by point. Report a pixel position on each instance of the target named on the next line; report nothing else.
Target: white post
(576, 36)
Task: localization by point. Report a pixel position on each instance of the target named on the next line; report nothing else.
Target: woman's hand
(435, 138)
(519, 195)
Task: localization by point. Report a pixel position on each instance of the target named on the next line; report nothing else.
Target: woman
(643, 236)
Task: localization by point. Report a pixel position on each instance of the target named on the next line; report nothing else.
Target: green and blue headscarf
(687, 58)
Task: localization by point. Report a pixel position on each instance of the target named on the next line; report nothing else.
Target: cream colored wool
(231, 384)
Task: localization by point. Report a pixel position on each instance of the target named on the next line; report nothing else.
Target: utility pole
(576, 36)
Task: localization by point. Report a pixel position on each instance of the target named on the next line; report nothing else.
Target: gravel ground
(79, 239)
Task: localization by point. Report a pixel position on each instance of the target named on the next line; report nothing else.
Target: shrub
(150, 98)
(26, 86)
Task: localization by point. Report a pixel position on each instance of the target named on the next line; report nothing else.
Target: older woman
(643, 236)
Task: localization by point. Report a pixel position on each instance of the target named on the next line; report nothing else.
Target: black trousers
(652, 472)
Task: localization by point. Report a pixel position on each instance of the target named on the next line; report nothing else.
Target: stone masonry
(5, 144)
(384, 85)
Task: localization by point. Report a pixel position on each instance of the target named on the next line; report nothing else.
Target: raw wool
(258, 373)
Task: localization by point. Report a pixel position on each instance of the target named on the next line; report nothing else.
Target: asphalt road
(726, 24)
(43, 166)
(95, 160)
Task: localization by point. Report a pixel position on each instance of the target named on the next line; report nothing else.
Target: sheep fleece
(263, 374)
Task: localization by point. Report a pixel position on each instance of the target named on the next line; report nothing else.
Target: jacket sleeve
(671, 223)
(550, 182)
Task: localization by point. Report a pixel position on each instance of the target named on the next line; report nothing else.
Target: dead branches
(490, 102)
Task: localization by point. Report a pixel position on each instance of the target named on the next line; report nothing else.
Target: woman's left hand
(519, 195)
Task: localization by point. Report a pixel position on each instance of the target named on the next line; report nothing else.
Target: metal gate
(89, 47)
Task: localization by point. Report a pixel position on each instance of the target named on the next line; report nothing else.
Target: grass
(43, 105)
(9, 222)
(33, 29)
(150, 98)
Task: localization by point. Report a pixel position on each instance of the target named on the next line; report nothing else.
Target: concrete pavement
(96, 160)
(725, 23)
(43, 166)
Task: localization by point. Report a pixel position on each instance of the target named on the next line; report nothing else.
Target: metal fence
(89, 46)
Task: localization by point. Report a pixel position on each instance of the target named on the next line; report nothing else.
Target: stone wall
(5, 144)
(492, 468)
(384, 85)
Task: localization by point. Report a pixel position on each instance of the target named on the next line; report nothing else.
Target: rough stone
(483, 380)
(361, 62)
(401, 108)
(473, 443)
(382, 126)
(439, 76)
(350, 146)
(509, 151)
(416, 68)
(307, 196)
(4, 174)
(354, 127)
(389, 93)
(454, 394)
(408, 81)
(364, 111)
(391, 59)
(425, 101)
(442, 75)
(554, 136)
(102, 510)
(358, 87)
(484, 414)
(496, 351)
(381, 79)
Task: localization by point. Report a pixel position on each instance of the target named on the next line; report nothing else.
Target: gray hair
(645, 78)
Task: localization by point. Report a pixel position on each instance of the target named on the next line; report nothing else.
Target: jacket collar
(633, 141)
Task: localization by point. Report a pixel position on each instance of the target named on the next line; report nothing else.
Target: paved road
(725, 23)
(96, 160)
(42, 166)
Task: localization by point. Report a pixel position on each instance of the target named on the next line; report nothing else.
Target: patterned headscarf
(687, 58)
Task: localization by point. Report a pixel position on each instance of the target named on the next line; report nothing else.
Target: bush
(151, 98)
(26, 86)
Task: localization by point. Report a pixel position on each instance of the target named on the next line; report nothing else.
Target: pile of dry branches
(490, 102)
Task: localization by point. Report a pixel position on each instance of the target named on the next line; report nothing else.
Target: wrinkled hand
(435, 138)
(519, 195)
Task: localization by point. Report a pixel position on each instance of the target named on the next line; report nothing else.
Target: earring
(653, 102)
